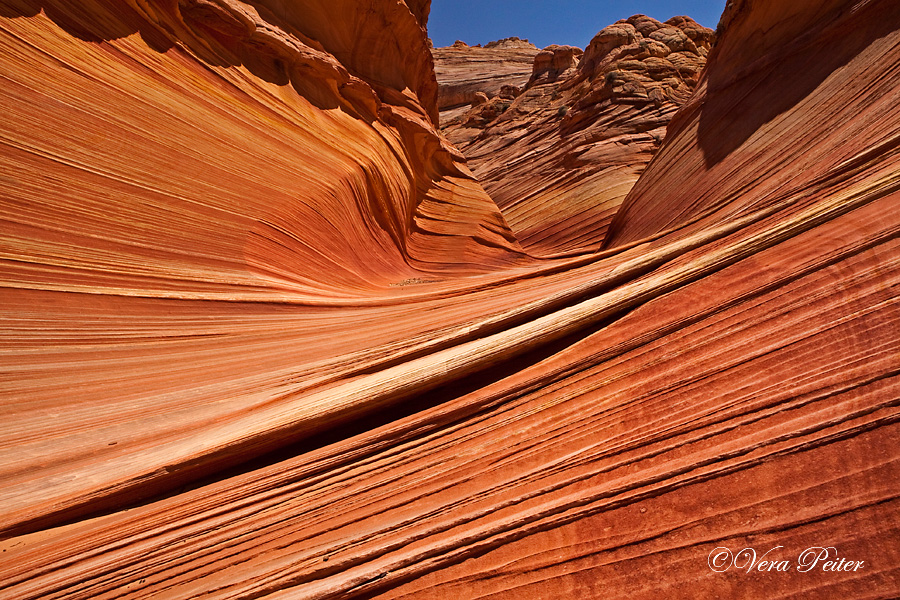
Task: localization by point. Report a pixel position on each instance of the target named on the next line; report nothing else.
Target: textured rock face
(464, 71)
(560, 158)
(232, 370)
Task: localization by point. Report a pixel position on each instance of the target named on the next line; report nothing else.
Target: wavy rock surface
(172, 173)
(560, 158)
(265, 337)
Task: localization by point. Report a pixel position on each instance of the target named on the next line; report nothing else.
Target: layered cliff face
(265, 336)
(560, 158)
(465, 72)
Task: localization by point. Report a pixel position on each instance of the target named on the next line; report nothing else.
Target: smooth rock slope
(264, 335)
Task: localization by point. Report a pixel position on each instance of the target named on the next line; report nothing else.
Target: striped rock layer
(265, 336)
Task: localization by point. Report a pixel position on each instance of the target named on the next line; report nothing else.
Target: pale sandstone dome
(264, 335)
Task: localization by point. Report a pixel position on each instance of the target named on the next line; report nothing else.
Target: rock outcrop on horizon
(499, 69)
(264, 335)
(560, 158)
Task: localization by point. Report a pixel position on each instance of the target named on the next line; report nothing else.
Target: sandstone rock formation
(553, 62)
(560, 158)
(464, 71)
(264, 336)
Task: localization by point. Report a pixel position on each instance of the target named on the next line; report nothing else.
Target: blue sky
(546, 22)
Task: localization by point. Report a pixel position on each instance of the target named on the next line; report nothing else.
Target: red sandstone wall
(263, 336)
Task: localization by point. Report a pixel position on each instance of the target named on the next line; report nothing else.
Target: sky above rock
(545, 22)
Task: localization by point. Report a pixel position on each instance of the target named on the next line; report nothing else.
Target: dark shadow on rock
(735, 108)
(98, 21)
(91, 21)
(227, 44)
(19, 8)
